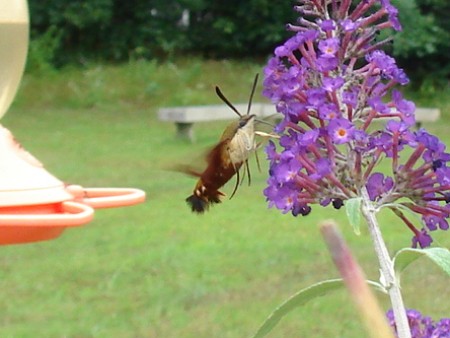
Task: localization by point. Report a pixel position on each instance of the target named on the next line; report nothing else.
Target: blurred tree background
(76, 32)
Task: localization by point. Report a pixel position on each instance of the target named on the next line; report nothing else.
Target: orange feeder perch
(35, 205)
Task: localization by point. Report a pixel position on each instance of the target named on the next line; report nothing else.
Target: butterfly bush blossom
(423, 326)
(343, 116)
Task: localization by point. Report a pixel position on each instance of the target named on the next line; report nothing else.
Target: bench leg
(185, 131)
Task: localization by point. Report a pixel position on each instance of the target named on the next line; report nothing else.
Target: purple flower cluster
(333, 86)
(423, 327)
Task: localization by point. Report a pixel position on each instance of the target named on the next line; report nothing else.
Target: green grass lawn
(156, 269)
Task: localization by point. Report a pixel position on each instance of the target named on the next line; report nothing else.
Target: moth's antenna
(252, 93)
(224, 99)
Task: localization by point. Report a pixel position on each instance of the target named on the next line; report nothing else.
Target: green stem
(388, 277)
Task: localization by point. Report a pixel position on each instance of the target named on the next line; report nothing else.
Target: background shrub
(76, 31)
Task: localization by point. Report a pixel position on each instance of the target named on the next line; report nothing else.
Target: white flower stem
(388, 276)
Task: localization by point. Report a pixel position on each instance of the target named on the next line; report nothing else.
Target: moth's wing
(186, 169)
(197, 164)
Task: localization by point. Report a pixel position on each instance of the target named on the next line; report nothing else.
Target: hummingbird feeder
(34, 204)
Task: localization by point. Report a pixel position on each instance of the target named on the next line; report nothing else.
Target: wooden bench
(426, 115)
(185, 117)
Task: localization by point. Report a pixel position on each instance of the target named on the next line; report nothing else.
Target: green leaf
(440, 256)
(302, 297)
(353, 210)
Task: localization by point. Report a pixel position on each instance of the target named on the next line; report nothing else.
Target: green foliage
(239, 28)
(417, 39)
(353, 211)
(298, 299)
(302, 297)
(106, 29)
(42, 50)
(421, 48)
(76, 31)
(122, 30)
(80, 27)
(439, 256)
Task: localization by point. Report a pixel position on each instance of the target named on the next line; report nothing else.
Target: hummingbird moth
(226, 158)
